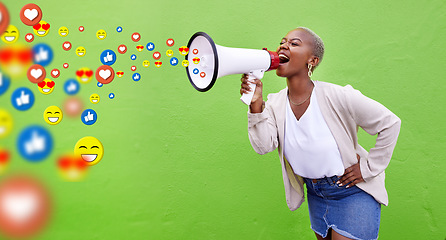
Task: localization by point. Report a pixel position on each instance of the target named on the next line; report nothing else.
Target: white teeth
(9, 39)
(95, 101)
(89, 157)
(53, 120)
(284, 56)
(46, 90)
(63, 34)
(41, 32)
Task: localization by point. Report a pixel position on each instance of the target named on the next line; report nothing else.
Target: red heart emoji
(46, 26)
(186, 49)
(25, 56)
(41, 84)
(89, 73)
(4, 157)
(79, 73)
(181, 49)
(64, 163)
(37, 26)
(50, 84)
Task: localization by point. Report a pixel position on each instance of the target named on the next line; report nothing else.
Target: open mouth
(84, 79)
(41, 32)
(94, 101)
(63, 34)
(53, 119)
(2, 130)
(80, 53)
(283, 58)
(9, 39)
(101, 36)
(46, 90)
(89, 157)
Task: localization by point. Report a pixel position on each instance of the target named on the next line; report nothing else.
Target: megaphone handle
(247, 97)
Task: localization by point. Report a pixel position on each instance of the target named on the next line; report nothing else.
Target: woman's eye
(294, 44)
(282, 43)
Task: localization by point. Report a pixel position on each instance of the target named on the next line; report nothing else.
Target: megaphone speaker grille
(203, 62)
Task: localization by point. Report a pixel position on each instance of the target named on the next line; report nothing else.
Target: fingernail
(340, 185)
(338, 182)
(347, 187)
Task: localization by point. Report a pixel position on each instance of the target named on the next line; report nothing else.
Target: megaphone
(209, 61)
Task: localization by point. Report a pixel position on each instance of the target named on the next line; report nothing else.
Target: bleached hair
(318, 44)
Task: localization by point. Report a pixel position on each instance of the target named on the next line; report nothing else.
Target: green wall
(178, 163)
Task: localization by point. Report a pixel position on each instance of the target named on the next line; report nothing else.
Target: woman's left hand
(352, 176)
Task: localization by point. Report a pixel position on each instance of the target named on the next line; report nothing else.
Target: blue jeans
(350, 212)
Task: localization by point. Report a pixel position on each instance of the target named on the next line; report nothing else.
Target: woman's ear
(314, 61)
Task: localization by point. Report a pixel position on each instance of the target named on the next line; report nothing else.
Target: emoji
(111, 95)
(36, 73)
(35, 143)
(73, 107)
(89, 117)
(65, 65)
(15, 59)
(136, 37)
(72, 168)
(41, 29)
(169, 53)
(139, 48)
(119, 29)
(66, 46)
(30, 14)
(183, 50)
(202, 74)
(196, 60)
(196, 71)
(29, 37)
(156, 55)
(195, 51)
(4, 18)
(71, 87)
(94, 98)
(136, 77)
(185, 63)
(150, 46)
(6, 123)
(158, 64)
(43, 54)
(146, 63)
(84, 75)
(122, 49)
(108, 57)
(99, 84)
(170, 42)
(4, 160)
(174, 61)
(105, 74)
(52, 115)
(11, 35)
(46, 86)
(133, 57)
(63, 31)
(55, 73)
(26, 207)
(133, 68)
(5, 81)
(81, 28)
(90, 149)
(120, 74)
(80, 51)
(101, 34)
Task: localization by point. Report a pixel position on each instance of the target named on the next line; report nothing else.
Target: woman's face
(295, 51)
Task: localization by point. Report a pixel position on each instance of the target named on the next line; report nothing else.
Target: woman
(314, 126)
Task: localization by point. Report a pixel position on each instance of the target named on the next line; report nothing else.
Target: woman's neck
(299, 86)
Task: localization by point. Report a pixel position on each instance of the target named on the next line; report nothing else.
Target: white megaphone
(209, 61)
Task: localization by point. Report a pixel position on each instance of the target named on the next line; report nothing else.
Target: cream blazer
(344, 109)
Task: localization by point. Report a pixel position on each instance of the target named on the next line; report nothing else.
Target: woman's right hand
(257, 99)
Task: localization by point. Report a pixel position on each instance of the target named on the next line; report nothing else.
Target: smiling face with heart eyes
(46, 86)
(41, 29)
(90, 150)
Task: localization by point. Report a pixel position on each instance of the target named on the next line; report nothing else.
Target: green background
(178, 163)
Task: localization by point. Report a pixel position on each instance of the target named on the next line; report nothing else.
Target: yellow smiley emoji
(84, 75)
(80, 51)
(5, 123)
(185, 63)
(90, 150)
(94, 98)
(41, 29)
(72, 168)
(52, 115)
(63, 31)
(46, 86)
(146, 63)
(11, 35)
(169, 53)
(101, 34)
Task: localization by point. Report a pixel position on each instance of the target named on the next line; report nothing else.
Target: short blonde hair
(318, 44)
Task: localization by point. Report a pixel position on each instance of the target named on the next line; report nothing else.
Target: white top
(309, 144)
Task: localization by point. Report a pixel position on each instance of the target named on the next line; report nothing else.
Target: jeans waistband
(330, 180)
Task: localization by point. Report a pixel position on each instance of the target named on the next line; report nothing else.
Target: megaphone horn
(209, 61)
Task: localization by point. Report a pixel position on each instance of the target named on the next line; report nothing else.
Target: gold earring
(309, 70)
